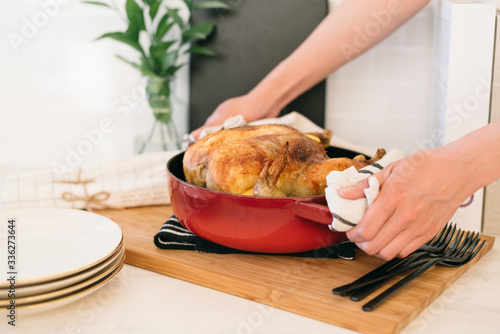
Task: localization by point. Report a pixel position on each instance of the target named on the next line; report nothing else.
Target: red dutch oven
(255, 224)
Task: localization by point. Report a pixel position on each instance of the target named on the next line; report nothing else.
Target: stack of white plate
(60, 255)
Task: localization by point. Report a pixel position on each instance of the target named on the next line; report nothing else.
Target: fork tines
(451, 247)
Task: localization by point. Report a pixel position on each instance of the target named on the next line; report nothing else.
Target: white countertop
(140, 301)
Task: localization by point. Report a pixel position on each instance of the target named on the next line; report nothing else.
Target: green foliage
(160, 52)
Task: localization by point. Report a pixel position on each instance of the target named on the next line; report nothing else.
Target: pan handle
(318, 213)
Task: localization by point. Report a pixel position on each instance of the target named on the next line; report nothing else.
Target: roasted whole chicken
(267, 160)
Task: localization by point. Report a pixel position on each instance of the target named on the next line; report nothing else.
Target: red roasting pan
(255, 224)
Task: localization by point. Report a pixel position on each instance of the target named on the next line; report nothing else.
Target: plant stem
(162, 134)
(176, 134)
(172, 133)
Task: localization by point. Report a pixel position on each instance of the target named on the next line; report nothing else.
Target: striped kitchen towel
(348, 213)
(173, 235)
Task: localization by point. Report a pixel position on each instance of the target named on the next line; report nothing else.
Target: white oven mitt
(348, 213)
(230, 123)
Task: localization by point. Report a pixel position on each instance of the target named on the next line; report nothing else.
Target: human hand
(418, 195)
(250, 107)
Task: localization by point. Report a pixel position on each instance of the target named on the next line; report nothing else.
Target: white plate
(37, 289)
(66, 299)
(55, 243)
(118, 262)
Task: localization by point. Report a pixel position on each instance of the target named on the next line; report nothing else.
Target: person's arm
(420, 193)
(349, 30)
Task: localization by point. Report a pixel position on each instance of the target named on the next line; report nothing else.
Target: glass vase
(163, 134)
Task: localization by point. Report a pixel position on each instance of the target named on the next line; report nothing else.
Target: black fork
(359, 288)
(459, 253)
(436, 248)
(385, 276)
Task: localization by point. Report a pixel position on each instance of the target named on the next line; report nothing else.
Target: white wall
(58, 86)
(382, 98)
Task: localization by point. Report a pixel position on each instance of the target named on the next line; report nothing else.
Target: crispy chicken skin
(267, 160)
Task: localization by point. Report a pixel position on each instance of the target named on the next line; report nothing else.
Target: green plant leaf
(141, 67)
(174, 14)
(153, 8)
(159, 49)
(158, 54)
(151, 2)
(189, 4)
(198, 32)
(124, 38)
(135, 14)
(168, 60)
(98, 3)
(163, 58)
(211, 4)
(149, 63)
(162, 28)
(201, 50)
(172, 70)
(133, 32)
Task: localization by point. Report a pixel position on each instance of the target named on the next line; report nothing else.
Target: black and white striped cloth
(348, 213)
(173, 235)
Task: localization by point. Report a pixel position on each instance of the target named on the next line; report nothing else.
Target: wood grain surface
(299, 285)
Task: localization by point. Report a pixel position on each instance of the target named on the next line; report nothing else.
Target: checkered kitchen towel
(173, 235)
(137, 180)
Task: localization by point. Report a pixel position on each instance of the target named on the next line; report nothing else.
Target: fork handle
(362, 292)
(344, 290)
(374, 303)
(383, 277)
(382, 273)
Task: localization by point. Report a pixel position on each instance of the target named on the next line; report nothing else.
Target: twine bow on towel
(92, 201)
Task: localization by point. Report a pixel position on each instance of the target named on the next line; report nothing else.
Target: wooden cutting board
(298, 285)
